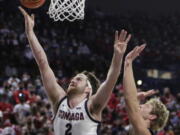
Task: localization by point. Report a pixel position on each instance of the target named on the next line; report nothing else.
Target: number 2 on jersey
(68, 130)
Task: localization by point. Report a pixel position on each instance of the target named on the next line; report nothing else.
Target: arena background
(88, 44)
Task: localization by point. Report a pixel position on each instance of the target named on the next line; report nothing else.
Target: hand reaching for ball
(29, 20)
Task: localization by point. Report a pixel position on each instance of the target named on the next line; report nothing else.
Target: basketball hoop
(67, 10)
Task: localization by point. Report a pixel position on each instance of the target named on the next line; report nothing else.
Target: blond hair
(161, 112)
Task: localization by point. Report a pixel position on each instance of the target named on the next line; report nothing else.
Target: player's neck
(147, 121)
(74, 100)
(133, 132)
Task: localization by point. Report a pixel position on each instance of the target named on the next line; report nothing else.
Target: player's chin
(70, 89)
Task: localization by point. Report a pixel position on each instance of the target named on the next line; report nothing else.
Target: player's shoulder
(56, 106)
(61, 100)
(58, 103)
(91, 110)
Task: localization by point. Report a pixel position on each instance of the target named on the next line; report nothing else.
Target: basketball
(32, 4)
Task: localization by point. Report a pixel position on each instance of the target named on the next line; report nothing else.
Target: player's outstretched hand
(29, 20)
(121, 40)
(144, 94)
(133, 54)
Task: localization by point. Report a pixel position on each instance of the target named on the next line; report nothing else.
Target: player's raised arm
(130, 94)
(100, 99)
(144, 94)
(54, 91)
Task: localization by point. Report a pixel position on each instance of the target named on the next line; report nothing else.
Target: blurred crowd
(73, 47)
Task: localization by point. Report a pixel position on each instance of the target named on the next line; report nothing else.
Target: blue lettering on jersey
(70, 116)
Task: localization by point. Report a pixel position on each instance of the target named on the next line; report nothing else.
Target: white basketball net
(66, 10)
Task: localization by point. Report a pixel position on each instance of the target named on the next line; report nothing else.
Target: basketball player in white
(144, 118)
(78, 110)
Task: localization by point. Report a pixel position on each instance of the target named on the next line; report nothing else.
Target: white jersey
(75, 121)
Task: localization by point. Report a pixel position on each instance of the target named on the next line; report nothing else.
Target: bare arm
(130, 94)
(100, 99)
(144, 94)
(54, 91)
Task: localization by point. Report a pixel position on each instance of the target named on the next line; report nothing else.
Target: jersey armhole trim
(88, 113)
(59, 103)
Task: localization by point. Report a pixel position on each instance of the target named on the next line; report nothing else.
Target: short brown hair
(161, 112)
(95, 83)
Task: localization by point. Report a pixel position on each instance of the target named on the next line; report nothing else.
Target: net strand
(66, 10)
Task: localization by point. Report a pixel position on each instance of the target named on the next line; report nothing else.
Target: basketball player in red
(145, 118)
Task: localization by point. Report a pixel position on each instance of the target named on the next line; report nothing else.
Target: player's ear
(88, 91)
(152, 117)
